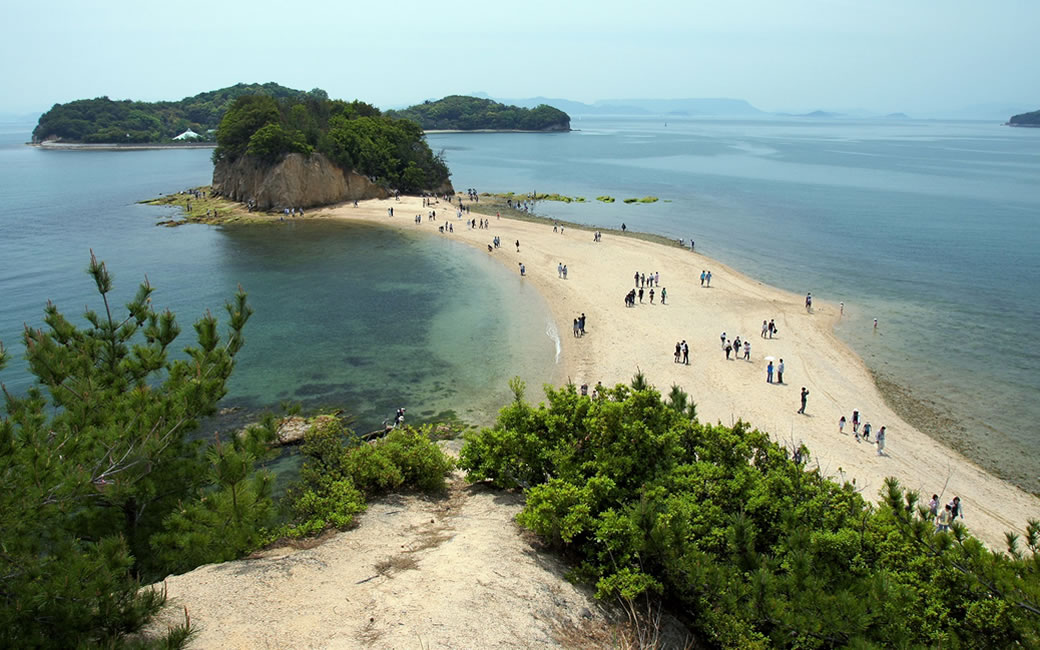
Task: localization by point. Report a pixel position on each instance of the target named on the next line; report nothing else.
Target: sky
(921, 57)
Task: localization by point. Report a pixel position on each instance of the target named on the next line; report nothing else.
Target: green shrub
(340, 472)
(749, 547)
(605, 199)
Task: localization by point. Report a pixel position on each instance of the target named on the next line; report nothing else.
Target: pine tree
(95, 457)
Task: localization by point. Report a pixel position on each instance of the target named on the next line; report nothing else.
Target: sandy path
(620, 339)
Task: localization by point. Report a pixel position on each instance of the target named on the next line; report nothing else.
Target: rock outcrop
(298, 181)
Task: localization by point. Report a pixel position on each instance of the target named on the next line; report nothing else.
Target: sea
(929, 226)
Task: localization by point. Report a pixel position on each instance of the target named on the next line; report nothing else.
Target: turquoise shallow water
(931, 227)
(347, 315)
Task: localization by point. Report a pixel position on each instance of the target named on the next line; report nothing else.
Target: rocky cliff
(298, 181)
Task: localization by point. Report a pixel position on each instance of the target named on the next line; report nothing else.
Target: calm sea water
(348, 316)
(931, 227)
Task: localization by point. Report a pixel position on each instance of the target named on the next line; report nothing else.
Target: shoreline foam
(623, 339)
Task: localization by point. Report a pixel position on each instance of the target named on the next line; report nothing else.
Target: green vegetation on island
(105, 121)
(1025, 119)
(645, 199)
(108, 488)
(739, 538)
(353, 135)
(463, 113)
(605, 199)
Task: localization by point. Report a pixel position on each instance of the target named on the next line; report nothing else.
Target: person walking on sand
(637, 279)
(523, 270)
(780, 372)
(678, 351)
(942, 522)
(664, 294)
(702, 277)
(685, 353)
(581, 323)
(772, 328)
(707, 280)
(881, 441)
(933, 506)
(841, 424)
(747, 350)
(765, 328)
(866, 431)
(657, 278)
(559, 270)
(518, 246)
(769, 373)
(728, 348)
(575, 328)
(808, 302)
(564, 271)
(805, 398)
(640, 295)
(956, 509)
(651, 296)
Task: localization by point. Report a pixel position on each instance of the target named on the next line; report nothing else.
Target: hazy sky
(915, 56)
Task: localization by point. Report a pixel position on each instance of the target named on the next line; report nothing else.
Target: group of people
(561, 270)
(769, 328)
(597, 236)
(682, 352)
(705, 278)
(579, 326)
(864, 434)
(473, 196)
(479, 224)
(943, 518)
(630, 297)
(735, 347)
(557, 227)
(644, 280)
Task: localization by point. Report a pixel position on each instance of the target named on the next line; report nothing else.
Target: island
(192, 119)
(463, 113)
(294, 153)
(1025, 119)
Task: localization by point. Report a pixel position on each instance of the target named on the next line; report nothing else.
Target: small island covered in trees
(106, 121)
(1025, 119)
(462, 113)
(261, 131)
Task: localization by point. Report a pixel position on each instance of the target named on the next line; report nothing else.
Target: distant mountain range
(678, 107)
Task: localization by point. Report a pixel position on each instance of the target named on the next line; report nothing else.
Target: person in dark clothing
(805, 397)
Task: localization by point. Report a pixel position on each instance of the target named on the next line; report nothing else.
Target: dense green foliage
(1026, 119)
(103, 488)
(340, 472)
(103, 120)
(459, 112)
(744, 543)
(354, 135)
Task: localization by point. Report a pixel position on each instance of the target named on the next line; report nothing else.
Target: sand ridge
(619, 340)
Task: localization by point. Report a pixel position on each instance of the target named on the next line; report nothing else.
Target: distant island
(1025, 119)
(463, 113)
(106, 121)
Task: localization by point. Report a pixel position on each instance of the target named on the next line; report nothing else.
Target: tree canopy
(463, 113)
(354, 135)
(739, 538)
(103, 120)
(103, 486)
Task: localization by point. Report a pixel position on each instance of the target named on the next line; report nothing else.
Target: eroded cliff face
(298, 181)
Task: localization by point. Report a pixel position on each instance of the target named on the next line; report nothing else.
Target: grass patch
(605, 199)
(210, 209)
(492, 206)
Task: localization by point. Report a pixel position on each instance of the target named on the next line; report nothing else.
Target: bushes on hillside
(748, 546)
(340, 472)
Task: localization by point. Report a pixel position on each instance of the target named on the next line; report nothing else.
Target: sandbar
(621, 340)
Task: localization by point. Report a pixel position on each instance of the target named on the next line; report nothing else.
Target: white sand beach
(620, 340)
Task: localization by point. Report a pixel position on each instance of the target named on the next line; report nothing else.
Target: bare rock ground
(451, 571)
